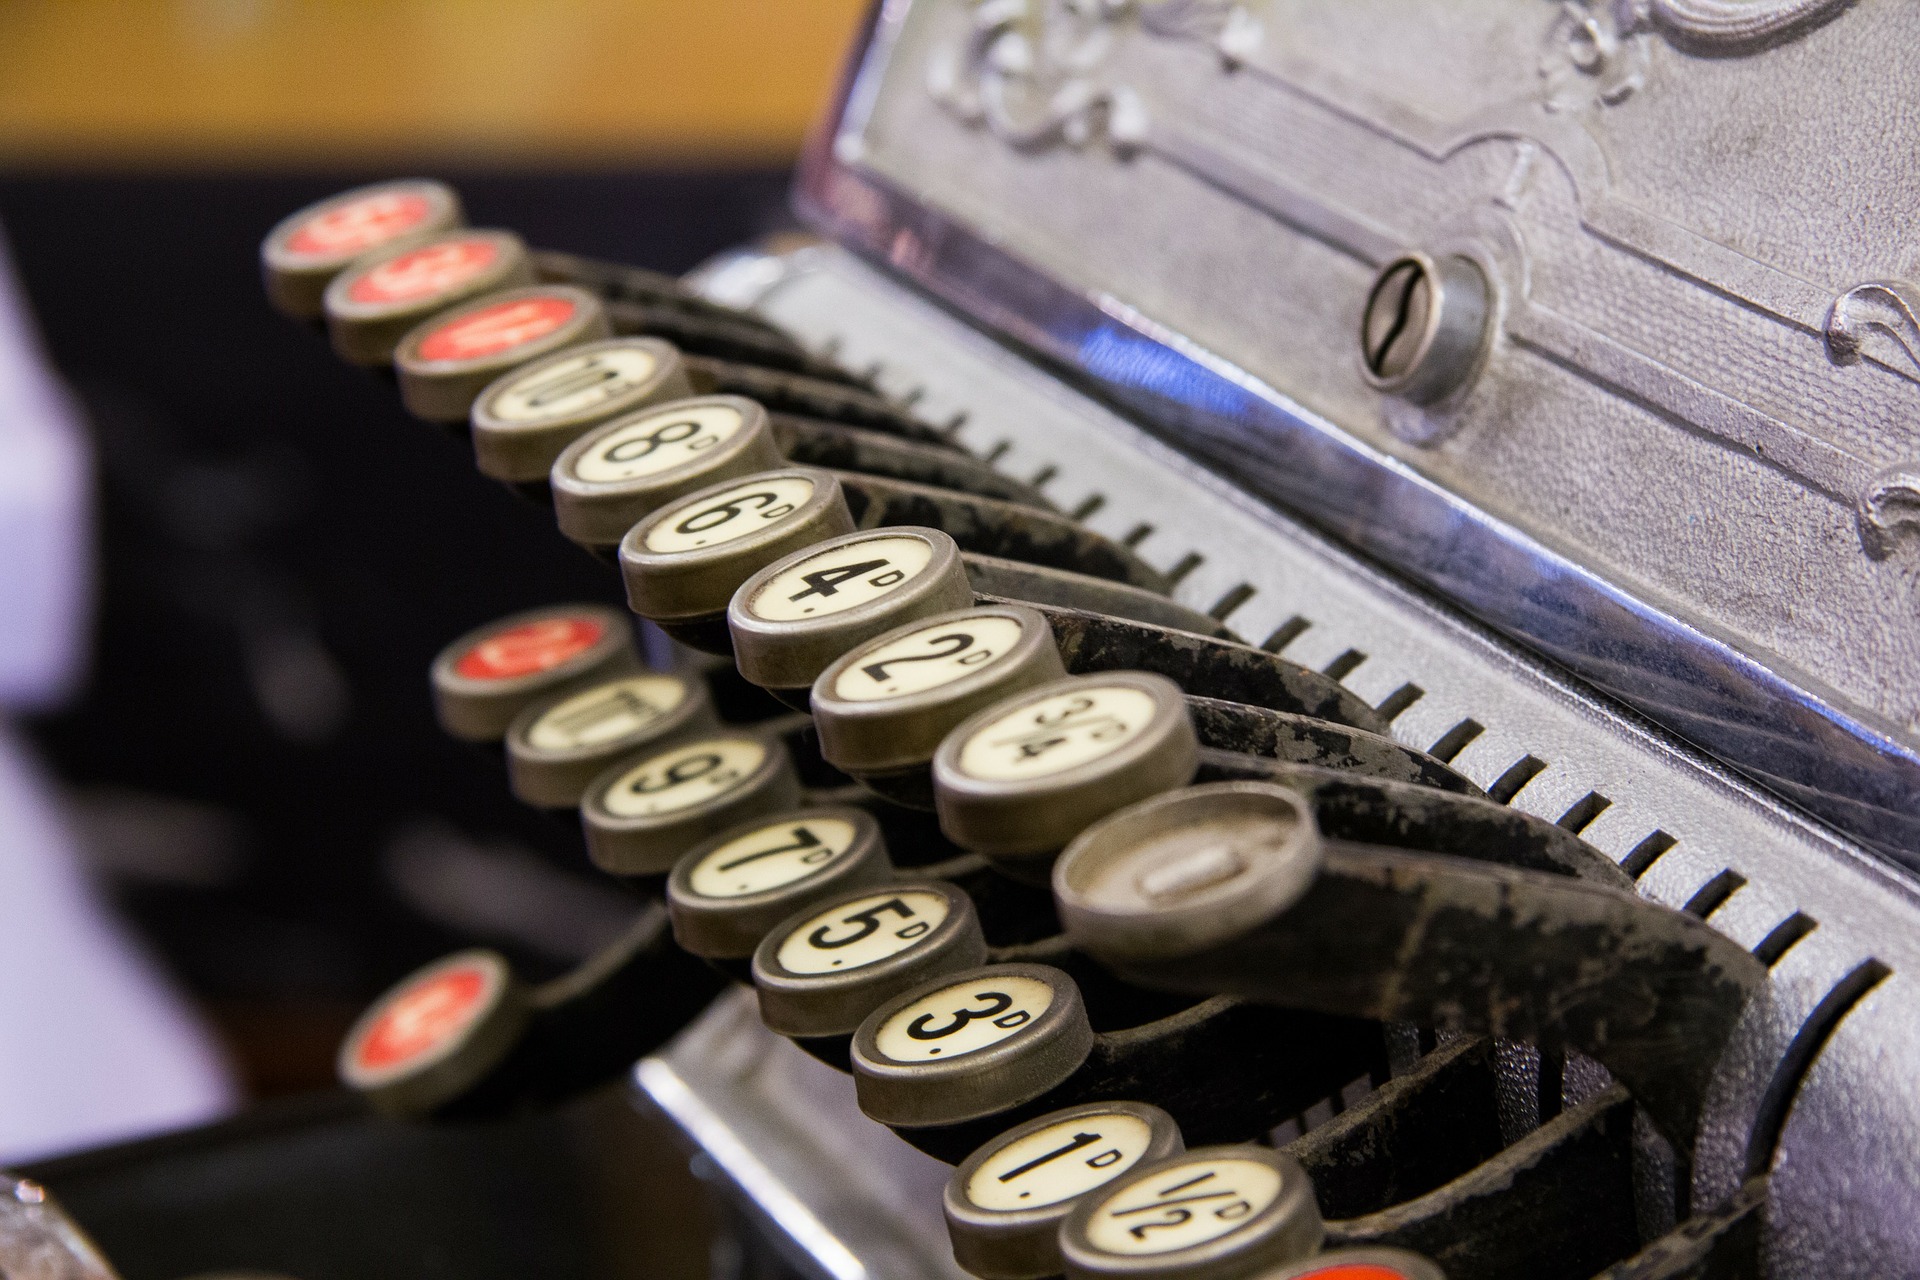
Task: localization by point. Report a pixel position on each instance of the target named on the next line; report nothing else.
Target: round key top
(885, 705)
(1375, 1262)
(1184, 870)
(435, 1033)
(1028, 774)
(794, 617)
(614, 476)
(490, 675)
(560, 744)
(371, 305)
(1005, 1203)
(683, 563)
(306, 250)
(970, 1045)
(522, 421)
(729, 892)
(1213, 1213)
(823, 971)
(641, 817)
(448, 359)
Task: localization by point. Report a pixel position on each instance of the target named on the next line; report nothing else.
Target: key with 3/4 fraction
(883, 707)
(1021, 777)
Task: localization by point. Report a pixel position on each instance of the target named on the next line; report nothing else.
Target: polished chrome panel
(1183, 202)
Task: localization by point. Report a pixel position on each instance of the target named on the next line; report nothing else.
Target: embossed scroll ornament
(1030, 70)
(1597, 50)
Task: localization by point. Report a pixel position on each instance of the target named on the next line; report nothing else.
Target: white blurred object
(45, 548)
(94, 1044)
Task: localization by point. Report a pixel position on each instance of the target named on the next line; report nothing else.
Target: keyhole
(1396, 319)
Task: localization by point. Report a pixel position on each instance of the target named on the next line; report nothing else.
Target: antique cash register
(1293, 649)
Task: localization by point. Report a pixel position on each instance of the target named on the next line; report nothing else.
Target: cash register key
(560, 744)
(307, 249)
(727, 893)
(617, 474)
(684, 562)
(640, 817)
(1371, 1262)
(1005, 1203)
(969, 1045)
(448, 359)
(371, 305)
(1213, 1213)
(794, 617)
(435, 1033)
(824, 970)
(1182, 871)
(1028, 774)
(491, 674)
(885, 705)
(524, 419)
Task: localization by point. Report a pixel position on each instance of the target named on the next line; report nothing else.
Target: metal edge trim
(656, 1078)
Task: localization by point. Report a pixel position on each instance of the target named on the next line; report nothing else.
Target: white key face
(683, 777)
(744, 509)
(861, 932)
(841, 578)
(666, 439)
(1188, 1205)
(606, 713)
(573, 386)
(1059, 1162)
(927, 659)
(774, 856)
(964, 1018)
(1040, 739)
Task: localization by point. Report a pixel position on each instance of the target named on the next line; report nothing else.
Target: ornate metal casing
(1667, 432)
(1591, 319)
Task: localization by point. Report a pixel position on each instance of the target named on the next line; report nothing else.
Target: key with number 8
(1212, 1213)
(1005, 1203)
(618, 473)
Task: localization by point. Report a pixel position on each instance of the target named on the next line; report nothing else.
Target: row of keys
(1206, 818)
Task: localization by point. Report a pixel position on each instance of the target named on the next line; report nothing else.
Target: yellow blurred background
(169, 84)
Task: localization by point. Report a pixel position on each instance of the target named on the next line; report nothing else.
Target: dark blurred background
(252, 762)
